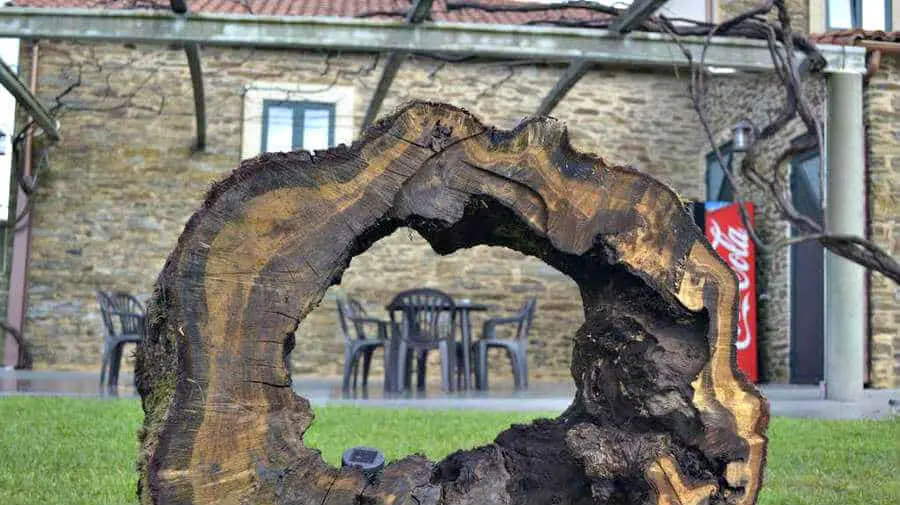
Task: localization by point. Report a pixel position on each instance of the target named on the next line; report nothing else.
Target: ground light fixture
(368, 459)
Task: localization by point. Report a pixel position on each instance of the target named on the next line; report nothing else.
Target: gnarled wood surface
(660, 416)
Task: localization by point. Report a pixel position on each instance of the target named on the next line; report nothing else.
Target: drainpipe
(14, 352)
(876, 48)
(874, 63)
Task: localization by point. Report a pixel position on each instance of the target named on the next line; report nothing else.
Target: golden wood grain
(245, 402)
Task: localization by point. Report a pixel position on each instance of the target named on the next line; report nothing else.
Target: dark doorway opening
(807, 356)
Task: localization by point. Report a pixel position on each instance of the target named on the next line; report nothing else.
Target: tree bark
(661, 414)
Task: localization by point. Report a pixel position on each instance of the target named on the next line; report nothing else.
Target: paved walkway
(785, 400)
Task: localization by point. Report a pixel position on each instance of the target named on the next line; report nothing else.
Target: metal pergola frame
(24, 96)
(515, 42)
(418, 12)
(636, 14)
(581, 48)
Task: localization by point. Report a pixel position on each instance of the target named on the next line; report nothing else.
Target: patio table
(464, 309)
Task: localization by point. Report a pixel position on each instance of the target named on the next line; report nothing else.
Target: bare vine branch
(783, 45)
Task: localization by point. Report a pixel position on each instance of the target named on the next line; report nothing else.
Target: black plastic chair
(428, 322)
(516, 348)
(124, 320)
(359, 342)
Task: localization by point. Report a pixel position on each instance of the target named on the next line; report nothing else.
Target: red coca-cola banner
(726, 232)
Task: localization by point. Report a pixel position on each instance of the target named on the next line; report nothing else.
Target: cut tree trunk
(661, 414)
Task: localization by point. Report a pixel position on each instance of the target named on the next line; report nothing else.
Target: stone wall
(120, 187)
(883, 142)
(124, 180)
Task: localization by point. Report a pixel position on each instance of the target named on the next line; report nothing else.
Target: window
(718, 187)
(288, 126)
(806, 185)
(288, 116)
(865, 14)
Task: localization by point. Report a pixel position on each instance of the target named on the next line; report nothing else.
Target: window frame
(796, 164)
(255, 92)
(856, 16)
(299, 107)
(727, 150)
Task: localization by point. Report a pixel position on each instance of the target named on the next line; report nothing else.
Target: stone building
(114, 194)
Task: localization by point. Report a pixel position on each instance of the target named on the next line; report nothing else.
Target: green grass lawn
(73, 452)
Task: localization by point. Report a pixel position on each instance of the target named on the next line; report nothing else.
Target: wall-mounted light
(743, 134)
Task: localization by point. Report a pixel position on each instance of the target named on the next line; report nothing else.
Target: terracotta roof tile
(340, 8)
(855, 37)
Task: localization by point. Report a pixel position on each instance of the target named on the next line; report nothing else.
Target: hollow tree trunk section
(661, 414)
